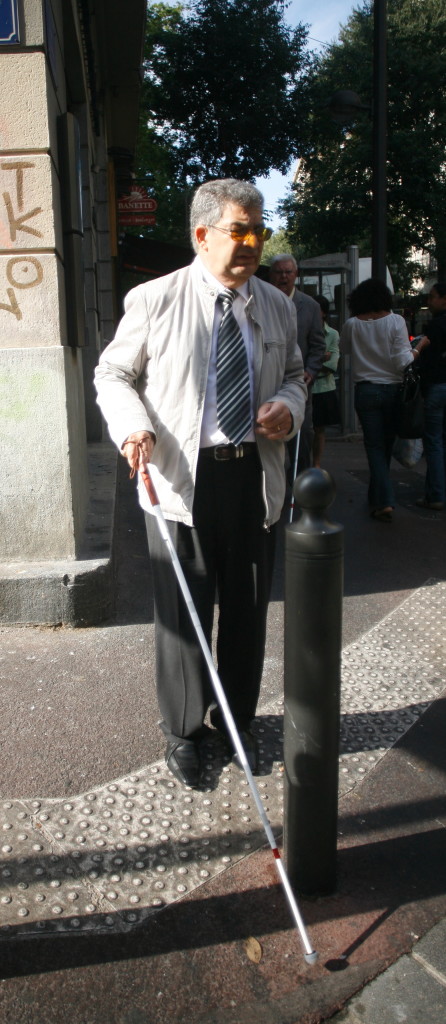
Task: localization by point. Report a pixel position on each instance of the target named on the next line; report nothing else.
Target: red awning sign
(137, 202)
(130, 219)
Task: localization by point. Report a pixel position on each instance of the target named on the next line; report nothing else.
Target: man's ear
(201, 235)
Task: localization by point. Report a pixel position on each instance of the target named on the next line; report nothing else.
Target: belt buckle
(222, 453)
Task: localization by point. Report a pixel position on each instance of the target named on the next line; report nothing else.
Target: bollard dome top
(314, 489)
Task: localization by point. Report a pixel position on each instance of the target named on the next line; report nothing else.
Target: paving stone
(404, 994)
(431, 950)
(106, 859)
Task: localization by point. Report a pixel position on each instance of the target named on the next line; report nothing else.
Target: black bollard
(313, 624)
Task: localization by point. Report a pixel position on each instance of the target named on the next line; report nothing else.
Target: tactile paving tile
(389, 677)
(106, 859)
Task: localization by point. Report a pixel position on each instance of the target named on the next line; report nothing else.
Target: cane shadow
(342, 961)
(392, 865)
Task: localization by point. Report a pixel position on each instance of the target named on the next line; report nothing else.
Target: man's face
(283, 275)
(436, 302)
(231, 262)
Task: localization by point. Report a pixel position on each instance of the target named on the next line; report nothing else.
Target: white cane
(296, 459)
(309, 954)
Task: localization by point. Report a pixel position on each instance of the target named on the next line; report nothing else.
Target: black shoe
(437, 506)
(250, 745)
(183, 761)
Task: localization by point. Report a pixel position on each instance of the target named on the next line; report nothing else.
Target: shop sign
(131, 219)
(137, 207)
(137, 200)
(9, 22)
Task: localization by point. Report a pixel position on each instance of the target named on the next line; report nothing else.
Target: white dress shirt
(210, 430)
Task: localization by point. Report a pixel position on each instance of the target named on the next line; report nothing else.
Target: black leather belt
(224, 452)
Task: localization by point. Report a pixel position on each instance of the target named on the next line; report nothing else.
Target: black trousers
(228, 551)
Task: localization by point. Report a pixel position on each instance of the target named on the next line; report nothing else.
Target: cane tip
(311, 958)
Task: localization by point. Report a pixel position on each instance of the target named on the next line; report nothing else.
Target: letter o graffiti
(24, 259)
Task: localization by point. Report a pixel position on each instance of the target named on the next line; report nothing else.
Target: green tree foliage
(157, 159)
(279, 243)
(331, 201)
(224, 87)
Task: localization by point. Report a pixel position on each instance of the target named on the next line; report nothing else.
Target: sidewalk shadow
(133, 577)
(384, 873)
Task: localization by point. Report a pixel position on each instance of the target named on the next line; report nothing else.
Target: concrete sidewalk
(125, 898)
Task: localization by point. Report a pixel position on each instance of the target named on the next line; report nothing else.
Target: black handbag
(409, 410)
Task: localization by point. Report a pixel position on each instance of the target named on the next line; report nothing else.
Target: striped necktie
(233, 387)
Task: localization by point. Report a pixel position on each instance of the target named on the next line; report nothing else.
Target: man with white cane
(204, 379)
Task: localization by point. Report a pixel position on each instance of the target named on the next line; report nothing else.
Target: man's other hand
(274, 421)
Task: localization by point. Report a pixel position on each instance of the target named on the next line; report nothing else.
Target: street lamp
(344, 105)
(379, 176)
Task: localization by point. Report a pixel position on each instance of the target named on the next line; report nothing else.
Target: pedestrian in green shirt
(325, 400)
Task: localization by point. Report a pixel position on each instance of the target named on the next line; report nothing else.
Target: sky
(324, 18)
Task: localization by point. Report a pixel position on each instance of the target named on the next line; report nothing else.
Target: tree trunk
(440, 250)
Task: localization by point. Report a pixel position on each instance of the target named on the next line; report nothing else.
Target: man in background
(311, 341)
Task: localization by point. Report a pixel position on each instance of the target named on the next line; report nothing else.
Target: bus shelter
(334, 275)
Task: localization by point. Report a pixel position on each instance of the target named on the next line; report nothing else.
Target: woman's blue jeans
(435, 441)
(375, 406)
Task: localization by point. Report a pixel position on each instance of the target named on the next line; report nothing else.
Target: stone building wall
(57, 270)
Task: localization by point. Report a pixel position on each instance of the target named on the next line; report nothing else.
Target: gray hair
(211, 198)
(281, 257)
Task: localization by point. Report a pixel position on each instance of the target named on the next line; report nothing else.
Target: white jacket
(153, 377)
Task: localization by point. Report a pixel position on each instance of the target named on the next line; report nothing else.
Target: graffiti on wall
(21, 271)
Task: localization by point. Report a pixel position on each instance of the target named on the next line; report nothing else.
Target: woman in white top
(378, 344)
